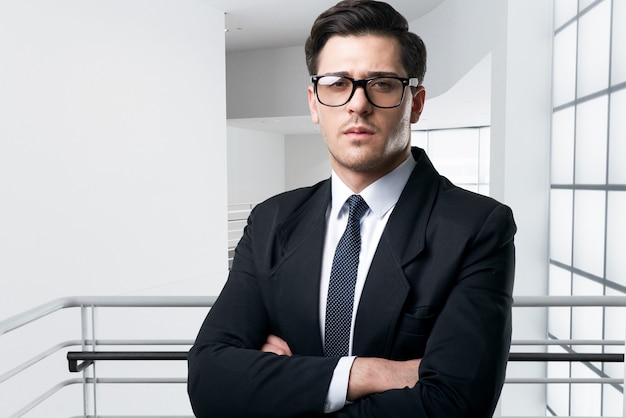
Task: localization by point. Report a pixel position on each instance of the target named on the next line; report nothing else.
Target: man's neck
(357, 181)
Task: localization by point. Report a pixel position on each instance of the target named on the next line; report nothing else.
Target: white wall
(112, 136)
(262, 164)
(306, 161)
(458, 35)
(520, 132)
(268, 82)
(521, 123)
(256, 165)
(112, 175)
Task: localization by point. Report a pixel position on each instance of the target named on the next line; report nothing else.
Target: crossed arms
(368, 375)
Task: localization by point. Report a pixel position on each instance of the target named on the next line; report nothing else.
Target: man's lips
(358, 131)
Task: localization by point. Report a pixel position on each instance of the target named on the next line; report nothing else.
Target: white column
(520, 137)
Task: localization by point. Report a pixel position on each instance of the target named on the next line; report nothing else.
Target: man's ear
(313, 105)
(419, 97)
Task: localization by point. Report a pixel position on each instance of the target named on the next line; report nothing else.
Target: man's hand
(276, 345)
(368, 374)
(376, 375)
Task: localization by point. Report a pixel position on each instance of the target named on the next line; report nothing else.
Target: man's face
(361, 138)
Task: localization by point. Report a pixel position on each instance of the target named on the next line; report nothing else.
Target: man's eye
(382, 84)
(336, 83)
(339, 84)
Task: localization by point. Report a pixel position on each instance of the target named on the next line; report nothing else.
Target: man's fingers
(276, 345)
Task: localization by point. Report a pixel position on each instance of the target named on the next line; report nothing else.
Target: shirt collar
(380, 196)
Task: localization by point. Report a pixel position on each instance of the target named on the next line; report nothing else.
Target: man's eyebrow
(369, 74)
(382, 74)
(337, 74)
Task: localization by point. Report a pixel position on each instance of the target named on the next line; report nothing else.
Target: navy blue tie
(343, 274)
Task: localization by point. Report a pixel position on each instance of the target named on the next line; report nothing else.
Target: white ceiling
(261, 24)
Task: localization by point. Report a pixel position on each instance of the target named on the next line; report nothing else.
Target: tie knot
(357, 207)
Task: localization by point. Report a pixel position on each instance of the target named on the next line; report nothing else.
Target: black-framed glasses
(384, 92)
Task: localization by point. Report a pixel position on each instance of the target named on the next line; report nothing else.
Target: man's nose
(359, 102)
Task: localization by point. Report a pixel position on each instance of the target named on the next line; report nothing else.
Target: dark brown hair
(366, 17)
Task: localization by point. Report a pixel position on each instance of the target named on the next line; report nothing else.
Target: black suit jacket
(439, 288)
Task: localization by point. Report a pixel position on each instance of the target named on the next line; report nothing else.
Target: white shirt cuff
(338, 389)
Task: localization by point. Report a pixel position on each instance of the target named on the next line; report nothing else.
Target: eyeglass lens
(381, 91)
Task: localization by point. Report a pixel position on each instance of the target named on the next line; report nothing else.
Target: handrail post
(88, 326)
(94, 347)
(624, 394)
(84, 332)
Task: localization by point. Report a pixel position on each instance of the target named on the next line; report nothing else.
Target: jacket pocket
(411, 336)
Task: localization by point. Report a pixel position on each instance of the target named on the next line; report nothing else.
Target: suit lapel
(296, 276)
(387, 286)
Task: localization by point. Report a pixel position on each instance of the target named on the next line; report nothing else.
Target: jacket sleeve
(464, 363)
(228, 376)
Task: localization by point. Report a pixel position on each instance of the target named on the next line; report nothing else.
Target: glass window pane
(583, 4)
(559, 322)
(564, 78)
(591, 141)
(559, 317)
(589, 214)
(593, 49)
(616, 234)
(420, 139)
(614, 329)
(561, 226)
(484, 155)
(564, 10)
(617, 141)
(560, 283)
(613, 401)
(558, 395)
(615, 322)
(586, 398)
(563, 146)
(462, 155)
(587, 322)
(455, 154)
(618, 72)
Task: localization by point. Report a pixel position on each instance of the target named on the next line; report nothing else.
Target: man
(426, 312)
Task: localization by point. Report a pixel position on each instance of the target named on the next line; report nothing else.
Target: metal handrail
(89, 380)
(71, 343)
(568, 342)
(39, 312)
(88, 357)
(565, 301)
(47, 394)
(206, 301)
(42, 311)
(36, 359)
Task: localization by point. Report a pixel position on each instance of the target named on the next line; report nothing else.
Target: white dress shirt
(381, 197)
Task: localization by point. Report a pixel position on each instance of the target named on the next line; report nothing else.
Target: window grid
(466, 162)
(590, 201)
